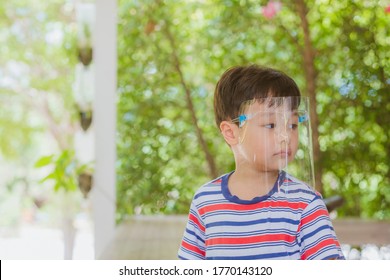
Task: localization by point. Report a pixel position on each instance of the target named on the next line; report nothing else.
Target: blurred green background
(171, 54)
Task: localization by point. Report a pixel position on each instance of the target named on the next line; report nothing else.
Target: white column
(104, 119)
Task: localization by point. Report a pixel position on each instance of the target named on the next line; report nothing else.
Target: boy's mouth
(283, 153)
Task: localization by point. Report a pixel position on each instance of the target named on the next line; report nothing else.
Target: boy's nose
(283, 133)
(283, 138)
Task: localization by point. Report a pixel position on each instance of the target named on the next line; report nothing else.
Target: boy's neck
(247, 184)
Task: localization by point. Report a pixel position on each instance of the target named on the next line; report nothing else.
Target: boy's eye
(292, 126)
(271, 125)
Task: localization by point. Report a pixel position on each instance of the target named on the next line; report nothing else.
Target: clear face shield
(275, 140)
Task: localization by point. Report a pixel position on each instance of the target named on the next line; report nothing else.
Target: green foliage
(160, 163)
(16, 130)
(35, 66)
(354, 109)
(65, 170)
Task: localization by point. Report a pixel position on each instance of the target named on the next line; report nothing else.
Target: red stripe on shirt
(196, 221)
(219, 181)
(313, 216)
(248, 207)
(192, 248)
(250, 239)
(319, 246)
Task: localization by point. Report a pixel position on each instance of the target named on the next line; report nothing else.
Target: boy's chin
(272, 170)
(275, 167)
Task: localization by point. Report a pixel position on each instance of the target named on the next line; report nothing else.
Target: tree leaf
(44, 161)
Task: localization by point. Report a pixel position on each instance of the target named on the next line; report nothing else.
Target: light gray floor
(147, 238)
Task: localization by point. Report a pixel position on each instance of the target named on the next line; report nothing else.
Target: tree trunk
(310, 76)
(190, 105)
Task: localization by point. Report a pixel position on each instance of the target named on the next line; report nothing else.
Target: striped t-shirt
(290, 222)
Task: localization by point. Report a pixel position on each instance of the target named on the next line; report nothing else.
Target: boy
(260, 211)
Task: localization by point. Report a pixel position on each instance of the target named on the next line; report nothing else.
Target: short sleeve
(193, 243)
(316, 235)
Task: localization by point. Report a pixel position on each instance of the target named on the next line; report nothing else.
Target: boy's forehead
(257, 106)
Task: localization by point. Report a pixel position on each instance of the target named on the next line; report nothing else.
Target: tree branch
(190, 105)
(37, 99)
(310, 76)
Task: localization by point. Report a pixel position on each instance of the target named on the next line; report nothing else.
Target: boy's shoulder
(211, 188)
(297, 188)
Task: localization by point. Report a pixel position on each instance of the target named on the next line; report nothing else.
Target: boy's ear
(230, 132)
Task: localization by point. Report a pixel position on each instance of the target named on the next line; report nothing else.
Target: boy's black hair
(243, 83)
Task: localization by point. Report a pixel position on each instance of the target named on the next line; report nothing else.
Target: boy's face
(268, 136)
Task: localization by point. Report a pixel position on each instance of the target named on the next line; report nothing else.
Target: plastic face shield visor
(275, 137)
